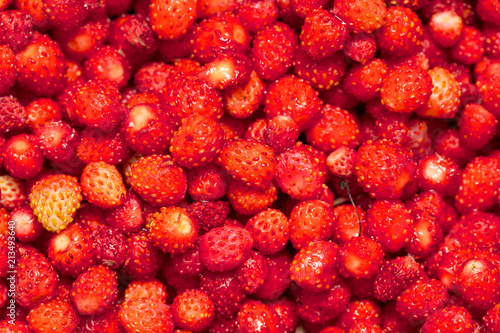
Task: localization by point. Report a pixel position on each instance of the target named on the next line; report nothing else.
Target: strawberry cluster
(249, 166)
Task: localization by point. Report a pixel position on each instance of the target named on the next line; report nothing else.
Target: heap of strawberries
(249, 166)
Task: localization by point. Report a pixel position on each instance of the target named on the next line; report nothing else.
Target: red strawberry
(227, 70)
(57, 314)
(383, 168)
(192, 310)
(153, 77)
(255, 315)
(276, 39)
(449, 319)
(492, 41)
(364, 81)
(270, 231)
(361, 15)
(41, 66)
(58, 140)
(244, 100)
(152, 289)
(197, 142)
(447, 144)
(310, 221)
(208, 214)
(323, 34)
(253, 272)
(158, 180)
(128, 218)
(13, 115)
(360, 47)
(256, 15)
(143, 259)
(16, 325)
(110, 245)
(421, 299)
(446, 27)
(341, 161)
(248, 200)
(439, 174)
(476, 126)
(66, 14)
(336, 128)
(22, 156)
(225, 248)
(360, 257)
(478, 281)
(477, 230)
(35, 10)
(12, 192)
(347, 222)
(106, 322)
(96, 146)
(315, 266)
(285, 308)
(401, 35)
(488, 89)
(27, 228)
(173, 230)
(8, 74)
(94, 290)
(427, 234)
(470, 47)
(146, 315)
(359, 311)
(16, 29)
(108, 63)
(492, 319)
(72, 250)
(170, 19)
(294, 97)
(280, 133)
(406, 88)
(55, 200)
(36, 280)
(102, 185)
(255, 131)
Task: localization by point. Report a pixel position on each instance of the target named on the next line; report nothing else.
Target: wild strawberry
(393, 321)
(325, 134)
(315, 266)
(243, 101)
(226, 70)
(445, 96)
(491, 319)
(207, 183)
(359, 311)
(447, 144)
(16, 325)
(255, 315)
(470, 47)
(224, 248)
(55, 200)
(110, 247)
(158, 180)
(58, 140)
(364, 81)
(67, 14)
(492, 41)
(477, 230)
(147, 315)
(341, 161)
(276, 39)
(280, 133)
(192, 310)
(152, 289)
(256, 15)
(27, 228)
(128, 217)
(12, 192)
(476, 126)
(171, 19)
(401, 35)
(248, 200)
(360, 47)
(421, 299)
(107, 63)
(347, 223)
(17, 29)
(72, 250)
(383, 168)
(143, 259)
(479, 185)
(488, 88)
(477, 282)
(105, 322)
(309, 221)
(224, 289)
(323, 306)
(197, 142)
(22, 156)
(360, 257)
(427, 234)
(102, 185)
(361, 15)
(208, 214)
(58, 314)
(446, 27)
(13, 115)
(94, 290)
(270, 231)
(36, 280)
(9, 71)
(449, 319)
(253, 272)
(218, 33)
(439, 174)
(153, 77)
(41, 66)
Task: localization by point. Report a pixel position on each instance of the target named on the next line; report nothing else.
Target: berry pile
(249, 166)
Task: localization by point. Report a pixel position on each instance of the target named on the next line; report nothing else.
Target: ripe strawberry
(72, 251)
(41, 66)
(192, 310)
(477, 230)
(17, 29)
(359, 311)
(13, 115)
(55, 200)
(477, 282)
(27, 228)
(153, 77)
(225, 291)
(248, 200)
(294, 97)
(364, 81)
(108, 63)
(325, 134)
(310, 221)
(491, 319)
(151, 289)
(438, 173)
(208, 214)
(22, 156)
(361, 15)
(110, 247)
(96, 146)
(16, 325)
(383, 168)
(479, 185)
(256, 15)
(470, 47)
(12, 192)
(225, 248)
(406, 88)
(244, 100)
(360, 257)
(270, 231)
(347, 222)
(171, 19)
(158, 180)
(427, 234)
(445, 97)
(226, 70)
(315, 266)
(218, 33)
(360, 47)
(255, 315)
(492, 41)
(58, 140)
(57, 314)
(280, 133)
(276, 39)
(449, 319)
(488, 88)
(102, 185)
(197, 142)
(8, 74)
(447, 144)
(476, 126)
(393, 321)
(446, 27)
(36, 280)
(341, 161)
(253, 272)
(143, 259)
(173, 49)
(146, 315)
(401, 35)
(128, 218)
(66, 14)
(106, 322)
